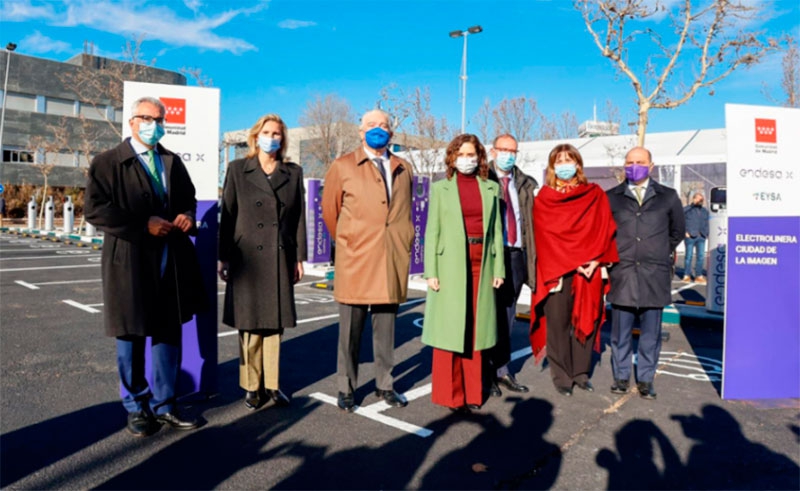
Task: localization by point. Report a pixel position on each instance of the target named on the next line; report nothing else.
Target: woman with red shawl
(574, 231)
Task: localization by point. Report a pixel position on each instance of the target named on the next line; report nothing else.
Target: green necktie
(638, 190)
(151, 166)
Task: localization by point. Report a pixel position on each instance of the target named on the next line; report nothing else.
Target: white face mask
(466, 165)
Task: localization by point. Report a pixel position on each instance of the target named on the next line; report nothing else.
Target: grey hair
(379, 111)
(150, 100)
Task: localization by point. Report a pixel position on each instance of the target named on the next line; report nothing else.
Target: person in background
(519, 254)
(696, 216)
(141, 196)
(262, 246)
(366, 205)
(574, 238)
(650, 225)
(463, 266)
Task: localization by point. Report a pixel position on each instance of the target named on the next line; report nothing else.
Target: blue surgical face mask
(377, 138)
(267, 144)
(150, 133)
(566, 171)
(505, 161)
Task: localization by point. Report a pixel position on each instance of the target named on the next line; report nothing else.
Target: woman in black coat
(262, 246)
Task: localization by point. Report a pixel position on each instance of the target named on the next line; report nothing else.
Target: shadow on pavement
(34, 447)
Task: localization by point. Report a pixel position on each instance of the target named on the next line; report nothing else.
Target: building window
(20, 156)
(59, 107)
(118, 115)
(21, 102)
(97, 112)
(60, 158)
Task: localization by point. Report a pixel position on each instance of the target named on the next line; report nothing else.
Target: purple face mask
(636, 172)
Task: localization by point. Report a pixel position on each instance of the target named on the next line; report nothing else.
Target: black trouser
(506, 298)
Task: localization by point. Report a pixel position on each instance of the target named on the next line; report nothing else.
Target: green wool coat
(446, 259)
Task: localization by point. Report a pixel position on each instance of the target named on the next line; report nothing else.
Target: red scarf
(571, 229)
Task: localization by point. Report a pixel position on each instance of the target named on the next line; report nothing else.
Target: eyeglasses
(505, 150)
(149, 119)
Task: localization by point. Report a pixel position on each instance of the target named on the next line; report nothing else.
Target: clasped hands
(588, 269)
(433, 283)
(160, 227)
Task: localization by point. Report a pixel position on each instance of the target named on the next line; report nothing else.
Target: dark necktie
(379, 164)
(511, 218)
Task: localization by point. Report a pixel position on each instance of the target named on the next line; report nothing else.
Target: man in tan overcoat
(366, 205)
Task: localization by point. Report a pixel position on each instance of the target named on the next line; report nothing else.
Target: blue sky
(275, 55)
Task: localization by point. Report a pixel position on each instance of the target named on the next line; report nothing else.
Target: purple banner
(420, 195)
(762, 321)
(317, 237)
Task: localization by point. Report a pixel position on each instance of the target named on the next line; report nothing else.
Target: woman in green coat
(463, 266)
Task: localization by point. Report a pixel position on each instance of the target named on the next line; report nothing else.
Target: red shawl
(572, 229)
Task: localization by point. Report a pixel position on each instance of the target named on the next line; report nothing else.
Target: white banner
(763, 156)
(192, 128)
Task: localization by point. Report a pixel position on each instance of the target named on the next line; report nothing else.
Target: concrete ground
(62, 426)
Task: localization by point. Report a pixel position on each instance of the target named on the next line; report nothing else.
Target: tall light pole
(463, 77)
(9, 48)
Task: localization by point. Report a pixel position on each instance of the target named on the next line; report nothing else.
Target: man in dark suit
(141, 196)
(650, 225)
(520, 254)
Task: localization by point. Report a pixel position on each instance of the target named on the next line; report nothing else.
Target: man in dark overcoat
(141, 196)
(650, 225)
(519, 251)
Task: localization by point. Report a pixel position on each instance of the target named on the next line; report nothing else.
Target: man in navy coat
(650, 225)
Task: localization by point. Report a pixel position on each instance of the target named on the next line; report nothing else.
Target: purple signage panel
(762, 322)
(420, 195)
(317, 237)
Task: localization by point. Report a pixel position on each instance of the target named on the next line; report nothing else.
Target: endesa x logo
(176, 110)
(766, 131)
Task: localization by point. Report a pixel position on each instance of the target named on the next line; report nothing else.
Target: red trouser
(457, 378)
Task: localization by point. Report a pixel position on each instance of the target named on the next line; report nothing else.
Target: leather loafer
(646, 390)
(511, 384)
(251, 400)
(175, 421)
(278, 397)
(585, 385)
(494, 390)
(620, 386)
(346, 402)
(140, 424)
(564, 391)
(473, 407)
(392, 398)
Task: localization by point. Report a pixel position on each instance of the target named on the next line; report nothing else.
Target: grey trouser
(351, 324)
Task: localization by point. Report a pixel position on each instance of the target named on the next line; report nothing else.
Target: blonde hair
(252, 136)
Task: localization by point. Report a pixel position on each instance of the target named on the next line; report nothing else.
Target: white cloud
(39, 43)
(193, 5)
(295, 24)
(155, 23)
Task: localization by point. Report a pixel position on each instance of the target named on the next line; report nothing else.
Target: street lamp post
(463, 77)
(9, 48)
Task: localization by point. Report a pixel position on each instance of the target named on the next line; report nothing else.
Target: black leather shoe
(620, 386)
(140, 424)
(278, 397)
(346, 402)
(175, 421)
(494, 390)
(460, 410)
(646, 390)
(473, 407)
(564, 391)
(251, 400)
(585, 385)
(511, 384)
(392, 398)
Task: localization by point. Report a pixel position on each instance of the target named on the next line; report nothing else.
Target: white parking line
(10, 270)
(70, 282)
(87, 308)
(31, 249)
(61, 256)
(27, 285)
(685, 287)
(372, 412)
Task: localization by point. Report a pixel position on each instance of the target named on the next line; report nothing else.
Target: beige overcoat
(373, 237)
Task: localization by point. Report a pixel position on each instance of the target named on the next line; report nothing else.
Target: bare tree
(557, 126)
(415, 127)
(517, 116)
(709, 38)
(790, 80)
(332, 131)
(196, 74)
(46, 151)
(483, 119)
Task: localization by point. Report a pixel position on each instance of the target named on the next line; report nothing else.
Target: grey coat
(647, 236)
(262, 236)
(120, 200)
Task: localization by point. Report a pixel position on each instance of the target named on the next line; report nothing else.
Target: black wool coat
(262, 237)
(119, 201)
(647, 236)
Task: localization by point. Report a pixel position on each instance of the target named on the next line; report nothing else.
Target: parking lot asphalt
(62, 426)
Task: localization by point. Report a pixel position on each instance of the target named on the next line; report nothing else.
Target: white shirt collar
(372, 155)
(642, 185)
(139, 147)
